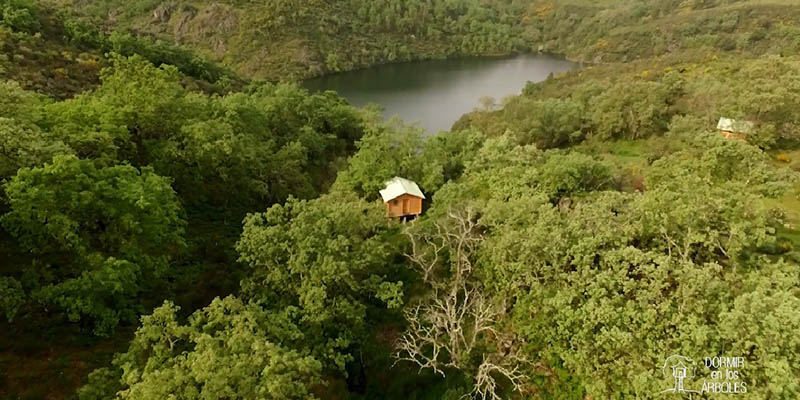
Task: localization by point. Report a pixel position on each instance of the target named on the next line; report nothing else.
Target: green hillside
(51, 51)
(289, 39)
(612, 31)
(36, 53)
(278, 39)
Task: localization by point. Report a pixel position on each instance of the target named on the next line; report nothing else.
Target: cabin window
(394, 202)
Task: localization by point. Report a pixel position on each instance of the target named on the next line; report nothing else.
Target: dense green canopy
(188, 234)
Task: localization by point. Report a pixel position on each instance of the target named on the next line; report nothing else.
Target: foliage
(157, 52)
(324, 260)
(19, 104)
(610, 284)
(721, 160)
(291, 38)
(637, 103)
(572, 174)
(548, 123)
(276, 39)
(769, 99)
(453, 327)
(393, 149)
(97, 234)
(229, 349)
(103, 383)
(613, 31)
(607, 224)
(265, 144)
(632, 110)
(48, 48)
(767, 307)
(20, 15)
(105, 219)
(12, 297)
(121, 197)
(25, 146)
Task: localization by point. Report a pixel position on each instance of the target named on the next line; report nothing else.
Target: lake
(437, 93)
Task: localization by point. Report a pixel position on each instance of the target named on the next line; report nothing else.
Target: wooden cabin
(733, 129)
(402, 198)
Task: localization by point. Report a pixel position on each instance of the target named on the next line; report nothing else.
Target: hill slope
(279, 39)
(49, 50)
(276, 39)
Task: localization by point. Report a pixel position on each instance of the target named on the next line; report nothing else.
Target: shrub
(550, 123)
(159, 52)
(19, 15)
(571, 174)
(83, 34)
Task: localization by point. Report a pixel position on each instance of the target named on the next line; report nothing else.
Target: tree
(263, 144)
(444, 157)
(326, 260)
(453, 327)
(394, 149)
(634, 109)
(24, 106)
(547, 123)
(760, 324)
(572, 174)
(20, 15)
(12, 297)
(136, 109)
(24, 145)
(229, 349)
(623, 279)
(99, 235)
(386, 150)
(601, 290)
(721, 161)
(769, 99)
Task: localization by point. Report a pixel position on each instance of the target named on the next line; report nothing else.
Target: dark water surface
(437, 93)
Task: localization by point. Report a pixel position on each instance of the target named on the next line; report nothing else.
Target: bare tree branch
(447, 328)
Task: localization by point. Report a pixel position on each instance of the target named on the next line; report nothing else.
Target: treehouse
(402, 198)
(733, 129)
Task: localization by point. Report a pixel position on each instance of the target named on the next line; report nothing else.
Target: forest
(179, 219)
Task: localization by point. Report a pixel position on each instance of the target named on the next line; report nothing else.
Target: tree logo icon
(680, 368)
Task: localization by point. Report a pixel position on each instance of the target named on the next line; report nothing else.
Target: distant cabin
(402, 198)
(733, 129)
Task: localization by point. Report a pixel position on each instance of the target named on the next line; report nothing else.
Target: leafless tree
(446, 328)
(485, 382)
